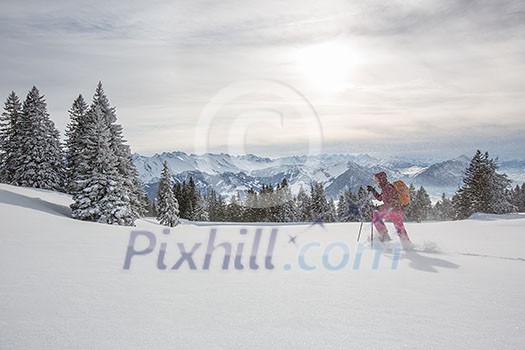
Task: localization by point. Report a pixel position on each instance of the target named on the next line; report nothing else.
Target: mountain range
(227, 174)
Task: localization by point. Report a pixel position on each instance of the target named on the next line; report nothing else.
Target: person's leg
(397, 219)
(377, 219)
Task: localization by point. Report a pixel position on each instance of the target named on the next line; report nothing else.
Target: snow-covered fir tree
(354, 206)
(484, 190)
(9, 138)
(420, 207)
(216, 206)
(234, 209)
(275, 209)
(332, 211)
(320, 206)
(304, 206)
(100, 194)
(198, 206)
(166, 203)
(192, 205)
(75, 141)
(266, 204)
(180, 191)
(367, 207)
(117, 196)
(204, 214)
(347, 207)
(125, 165)
(518, 197)
(342, 209)
(39, 159)
(443, 210)
(287, 205)
(253, 211)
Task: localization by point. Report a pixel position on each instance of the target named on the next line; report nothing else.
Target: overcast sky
(432, 79)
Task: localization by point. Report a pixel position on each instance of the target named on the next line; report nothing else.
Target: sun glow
(327, 66)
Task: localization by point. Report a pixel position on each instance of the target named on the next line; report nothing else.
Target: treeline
(278, 204)
(484, 190)
(94, 164)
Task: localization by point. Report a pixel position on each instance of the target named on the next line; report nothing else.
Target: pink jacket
(388, 194)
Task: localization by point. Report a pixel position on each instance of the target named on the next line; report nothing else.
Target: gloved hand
(370, 188)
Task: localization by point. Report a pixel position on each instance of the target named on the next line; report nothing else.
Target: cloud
(425, 73)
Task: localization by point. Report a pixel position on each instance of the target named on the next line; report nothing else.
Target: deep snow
(63, 286)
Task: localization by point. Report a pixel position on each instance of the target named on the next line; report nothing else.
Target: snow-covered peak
(336, 171)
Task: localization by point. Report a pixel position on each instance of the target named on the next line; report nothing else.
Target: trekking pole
(372, 234)
(360, 212)
(360, 228)
(371, 228)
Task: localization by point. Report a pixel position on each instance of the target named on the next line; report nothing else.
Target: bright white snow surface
(63, 285)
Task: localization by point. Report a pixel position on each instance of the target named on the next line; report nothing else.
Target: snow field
(64, 286)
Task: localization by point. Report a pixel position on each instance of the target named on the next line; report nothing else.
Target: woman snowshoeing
(390, 210)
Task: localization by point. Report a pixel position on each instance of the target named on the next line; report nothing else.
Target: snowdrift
(64, 284)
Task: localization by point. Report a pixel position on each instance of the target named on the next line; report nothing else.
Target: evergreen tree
(75, 140)
(462, 205)
(411, 210)
(192, 205)
(234, 210)
(179, 189)
(320, 206)
(304, 206)
(39, 159)
(131, 184)
(266, 204)
(196, 211)
(443, 210)
(342, 209)
(216, 206)
(354, 206)
(118, 196)
(201, 213)
(423, 205)
(367, 207)
(138, 198)
(166, 203)
(484, 190)
(499, 185)
(10, 142)
(518, 197)
(348, 207)
(420, 207)
(288, 211)
(471, 189)
(150, 207)
(221, 208)
(253, 212)
(99, 196)
(521, 199)
(332, 211)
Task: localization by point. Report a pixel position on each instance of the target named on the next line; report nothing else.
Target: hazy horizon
(422, 158)
(402, 78)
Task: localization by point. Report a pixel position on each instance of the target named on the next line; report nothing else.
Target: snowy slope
(64, 287)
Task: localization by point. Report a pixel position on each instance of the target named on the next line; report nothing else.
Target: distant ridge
(227, 174)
